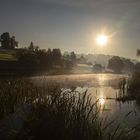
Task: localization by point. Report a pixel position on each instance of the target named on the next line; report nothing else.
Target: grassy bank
(29, 112)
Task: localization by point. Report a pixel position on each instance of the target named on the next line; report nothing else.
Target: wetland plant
(30, 112)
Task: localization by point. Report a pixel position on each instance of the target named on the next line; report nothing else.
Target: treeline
(119, 65)
(116, 64)
(50, 58)
(33, 59)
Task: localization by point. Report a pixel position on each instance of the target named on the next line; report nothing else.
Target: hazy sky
(74, 24)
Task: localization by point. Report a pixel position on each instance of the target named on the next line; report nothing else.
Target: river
(102, 87)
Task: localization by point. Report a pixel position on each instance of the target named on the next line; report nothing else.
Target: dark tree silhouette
(27, 58)
(14, 43)
(31, 46)
(57, 57)
(128, 65)
(69, 60)
(116, 64)
(8, 42)
(42, 57)
(138, 52)
(36, 49)
(49, 58)
(73, 56)
(5, 40)
(97, 68)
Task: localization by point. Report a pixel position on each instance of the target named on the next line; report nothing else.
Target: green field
(8, 55)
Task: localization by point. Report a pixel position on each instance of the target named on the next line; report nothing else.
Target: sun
(102, 40)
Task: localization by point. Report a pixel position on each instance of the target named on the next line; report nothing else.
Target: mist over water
(101, 87)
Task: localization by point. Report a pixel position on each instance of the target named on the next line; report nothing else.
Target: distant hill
(101, 58)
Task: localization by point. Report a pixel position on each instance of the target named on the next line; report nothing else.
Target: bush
(134, 85)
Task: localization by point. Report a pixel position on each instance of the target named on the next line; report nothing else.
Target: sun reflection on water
(102, 101)
(102, 78)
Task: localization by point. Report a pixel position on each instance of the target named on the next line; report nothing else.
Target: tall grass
(134, 84)
(130, 89)
(29, 112)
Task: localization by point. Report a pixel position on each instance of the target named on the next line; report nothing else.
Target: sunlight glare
(102, 40)
(101, 101)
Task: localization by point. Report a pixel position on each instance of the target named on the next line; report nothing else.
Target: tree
(31, 46)
(42, 57)
(36, 49)
(73, 57)
(116, 64)
(97, 68)
(82, 60)
(137, 65)
(57, 57)
(134, 82)
(138, 52)
(8, 42)
(5, 40)
(27, 58)
(49, 58)
(128, 65)
(14, 43)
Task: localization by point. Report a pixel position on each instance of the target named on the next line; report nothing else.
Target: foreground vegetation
(130, 88)
(30, 112)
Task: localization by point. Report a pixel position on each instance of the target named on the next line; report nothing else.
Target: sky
(72, 25)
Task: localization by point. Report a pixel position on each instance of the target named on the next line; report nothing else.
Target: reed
(30, 112)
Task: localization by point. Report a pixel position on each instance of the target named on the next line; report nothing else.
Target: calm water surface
(100, 87)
